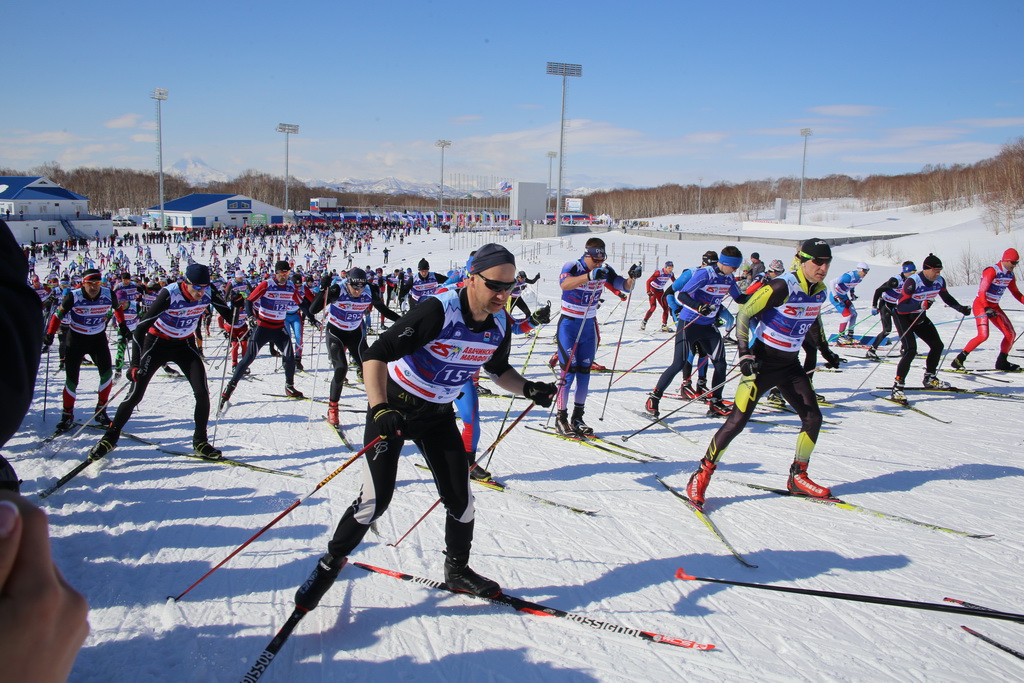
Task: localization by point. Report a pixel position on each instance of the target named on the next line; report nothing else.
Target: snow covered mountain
(197, 172)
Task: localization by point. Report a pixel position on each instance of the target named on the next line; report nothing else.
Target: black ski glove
(389, 422)
(599, 273)
(706, 309)
(748, 365)
(541, 393)
(964, 310)
(990, 312)
(635, 271)
(542, 316)
(832, 360)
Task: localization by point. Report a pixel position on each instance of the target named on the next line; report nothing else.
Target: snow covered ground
(144, 525)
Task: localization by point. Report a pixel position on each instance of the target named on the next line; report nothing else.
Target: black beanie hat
(491, 255)
(282, 265)
(932, 261)
(423, 265)
(814, 248)
(197, 274)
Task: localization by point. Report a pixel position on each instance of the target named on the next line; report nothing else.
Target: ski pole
(224, 373)
(438, 501)
(894, 602)
(615, 360)
(571, 357)
(910, 328)
(512, 400)
(281, 516)
(677, 333)
(321, 336)
(708, 392)
(950, 345)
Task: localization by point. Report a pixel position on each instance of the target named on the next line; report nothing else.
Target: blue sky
(671, 92)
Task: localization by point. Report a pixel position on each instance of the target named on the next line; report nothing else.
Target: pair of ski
(833, 501)
(221, 461)
(598, 443)
(496, 485)
(516, 603)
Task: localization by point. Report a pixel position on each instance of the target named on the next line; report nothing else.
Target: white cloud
(464, 120)
(957, 153)
(846, 110)
(993, 123)
(124, 121)
(143, 137)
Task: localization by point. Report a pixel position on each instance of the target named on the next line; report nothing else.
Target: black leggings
(910, 325)
(885, 311)
(78, 347)
(775, 370)
(338, 341)
(432, 428)
(260, 337)
(155, 353)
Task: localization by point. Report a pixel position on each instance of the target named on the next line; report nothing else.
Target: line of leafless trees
(997, 183)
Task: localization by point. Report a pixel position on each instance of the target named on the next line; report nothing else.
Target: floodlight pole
(806, 133)
(547, 195)
(160, 94)
(565, 71)
(287, 129)
(443, 144)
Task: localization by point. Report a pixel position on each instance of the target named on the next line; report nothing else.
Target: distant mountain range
(198, 172)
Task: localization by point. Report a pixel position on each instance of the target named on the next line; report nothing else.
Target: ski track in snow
(146, 524)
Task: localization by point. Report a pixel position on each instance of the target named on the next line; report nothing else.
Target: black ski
(539, 610)
(839, 503)
(994, 643)
(906, 404)
(703, 517)
(268, 654)
(341, 433)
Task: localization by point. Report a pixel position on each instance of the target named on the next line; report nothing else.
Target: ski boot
(553, 361)
(666, 328)
(476, 470)
(718, 408)
(67, 421)
(102, 448)
(1005, 365)
(702, 386)
(800, 484)
(932, 381)
(653, 399)
(961, 358)
(897, 394)
(579, 426)
(459, 577)
(308, 596)
(332, 413)
(206, 451)
(226, 396)
(699, 480)
(101, 417)
(774, 397)
(562, 425)
(686, 389)
(643, 325)
(291, 392)
(872, 354)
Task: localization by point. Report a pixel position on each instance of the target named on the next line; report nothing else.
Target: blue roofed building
(39, 210)
(206, 210)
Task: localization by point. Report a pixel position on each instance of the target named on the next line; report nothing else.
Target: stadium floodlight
(547, 195)
(287, 129)
(443, 144)
(160, 94)
(565, 71)
(806, 133)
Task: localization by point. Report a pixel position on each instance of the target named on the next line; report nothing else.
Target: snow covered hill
(145, 524)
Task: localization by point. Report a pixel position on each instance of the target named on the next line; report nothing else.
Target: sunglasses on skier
(497, 285)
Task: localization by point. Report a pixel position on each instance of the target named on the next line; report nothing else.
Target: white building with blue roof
(39, 210)
(206, 210)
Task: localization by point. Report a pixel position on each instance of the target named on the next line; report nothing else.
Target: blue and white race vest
(438, 371)
(182, 316)
(90, 317)
(783, 328)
